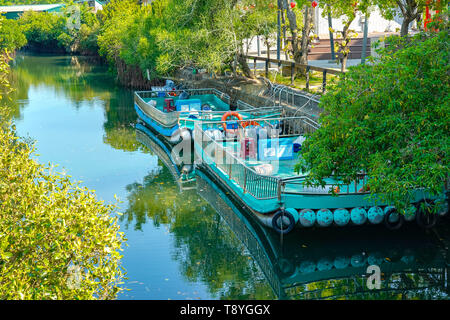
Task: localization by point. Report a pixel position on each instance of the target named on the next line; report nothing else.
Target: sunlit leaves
(57, 241)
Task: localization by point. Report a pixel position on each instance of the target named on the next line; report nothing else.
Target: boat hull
(164, 130)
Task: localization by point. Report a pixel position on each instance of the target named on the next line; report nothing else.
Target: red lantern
(293, 4)
(314, 4)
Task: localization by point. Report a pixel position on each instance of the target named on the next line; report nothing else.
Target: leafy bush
(11, 35)
(45, 30)
(390, 120)
(57, 241)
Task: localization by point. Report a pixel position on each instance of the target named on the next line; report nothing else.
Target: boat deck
(285, 169)
(212, 100)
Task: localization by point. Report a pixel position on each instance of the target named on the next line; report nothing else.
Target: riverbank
(257, 92)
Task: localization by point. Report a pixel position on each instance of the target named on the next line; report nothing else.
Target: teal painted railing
(265, 186)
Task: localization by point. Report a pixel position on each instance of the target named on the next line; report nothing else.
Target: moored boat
(335, 262)
(172, 113)
(257, 165)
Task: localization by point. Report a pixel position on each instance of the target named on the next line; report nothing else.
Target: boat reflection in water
(183, 174)
(318, 263)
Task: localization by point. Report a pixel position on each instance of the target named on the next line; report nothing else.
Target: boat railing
(279, 126)
(171, 118)
(241, 105)
(216, 115)
(357, 186)
(258, 185)
(262, 186)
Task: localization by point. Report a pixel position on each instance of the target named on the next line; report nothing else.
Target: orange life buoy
(171, 93)
(250, 123)
(227, 115)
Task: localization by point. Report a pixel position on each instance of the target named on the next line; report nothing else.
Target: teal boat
(172, 113)
(257, 165)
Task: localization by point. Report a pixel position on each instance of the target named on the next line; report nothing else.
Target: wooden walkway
(294, 67)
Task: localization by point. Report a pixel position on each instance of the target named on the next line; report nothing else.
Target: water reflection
(84, 83)
(309, 264)
(324, 264)
(205, 247)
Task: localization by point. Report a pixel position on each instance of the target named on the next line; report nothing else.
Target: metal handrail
(329, 186)
(214, 90)
(258, 185)
(246, 177)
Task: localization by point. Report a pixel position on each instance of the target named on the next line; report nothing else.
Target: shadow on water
(318, 263)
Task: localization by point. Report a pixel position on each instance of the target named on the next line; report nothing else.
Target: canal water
(196, 242)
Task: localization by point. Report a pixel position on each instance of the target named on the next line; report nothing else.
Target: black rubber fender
(278, 215)
(287, 269)
(425, 218)
(396, 225)
(187, 168)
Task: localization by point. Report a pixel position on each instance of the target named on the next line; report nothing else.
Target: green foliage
(74, 30)
(210, 34)
(5, 87)
(45, 30)
(50, 226)
(390, 120)
(23, 2)
(160, 37)
(11, 36)
(120, 20)
(171, 34)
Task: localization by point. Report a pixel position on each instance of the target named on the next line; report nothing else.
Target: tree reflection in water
(205, 247)
(309, 264)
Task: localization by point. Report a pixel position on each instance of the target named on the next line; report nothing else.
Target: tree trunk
(410, 11)
(344, 63)
(244, 66)
(299, 50)
(267, 48)
(405, 25)
(343, 49)
(290, 15)
(305, 35)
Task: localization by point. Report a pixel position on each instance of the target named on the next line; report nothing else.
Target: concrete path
(260, 65)
(333, 65)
